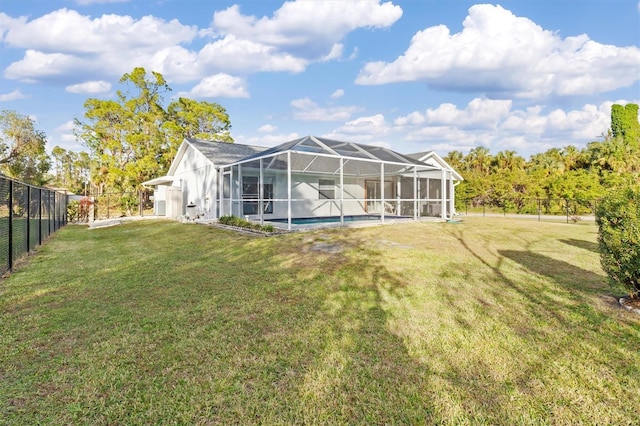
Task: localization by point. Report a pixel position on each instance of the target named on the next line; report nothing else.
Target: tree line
(507, 180)
(135, 136)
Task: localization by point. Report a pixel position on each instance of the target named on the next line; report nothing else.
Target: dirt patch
(326, 247)
(394, 244)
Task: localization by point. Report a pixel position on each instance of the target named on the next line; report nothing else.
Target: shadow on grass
(567, 275)
(195, 325)
(586, 245)
(555, 323)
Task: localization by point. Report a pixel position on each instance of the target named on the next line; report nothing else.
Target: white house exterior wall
(196, 175)
(305, 189)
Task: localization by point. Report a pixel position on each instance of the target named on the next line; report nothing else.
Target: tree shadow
(586, 245)
(274, 331)
(561, 272)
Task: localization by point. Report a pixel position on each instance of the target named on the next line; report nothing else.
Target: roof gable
(218, 153)
(223, 153)
(431, 158)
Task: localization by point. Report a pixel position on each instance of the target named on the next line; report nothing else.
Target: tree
(619, 237)
(479, 159)
(624, 123)
(133, 138)
(508, 160)
(71, 169)
(22, 149)
(124, 136)
(455, 159)
(201, 120)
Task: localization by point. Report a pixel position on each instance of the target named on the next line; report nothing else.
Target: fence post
(539, 209)
(39, 216)
(566, 200)
(10, 257)
(28, 218)
(55, 228)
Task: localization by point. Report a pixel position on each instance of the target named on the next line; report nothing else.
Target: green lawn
(494, 321)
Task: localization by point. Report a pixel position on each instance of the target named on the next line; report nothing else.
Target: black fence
(569, 209)
(28, 215)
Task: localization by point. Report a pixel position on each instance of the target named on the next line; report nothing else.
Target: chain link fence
(566, 209)
(28, 216)
(100, 205)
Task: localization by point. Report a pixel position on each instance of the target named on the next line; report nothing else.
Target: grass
(492, 321)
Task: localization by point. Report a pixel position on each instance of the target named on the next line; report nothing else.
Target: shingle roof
(223, 153)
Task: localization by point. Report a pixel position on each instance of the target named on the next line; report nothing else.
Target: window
(326, 189)
(250, 185)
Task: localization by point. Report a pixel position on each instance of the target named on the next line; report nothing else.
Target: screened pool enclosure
(313, 177)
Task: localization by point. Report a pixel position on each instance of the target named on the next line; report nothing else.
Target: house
(308, 179)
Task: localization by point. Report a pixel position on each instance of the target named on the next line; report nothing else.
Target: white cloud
(37, 65)
(220, 86)
(12, 96)
(314, 25)
(88, 2)
(500, 53)
(63, 137)
(307, 110)
(371, 125)
(65, 42)
(90, 87)
(68, 43)
(267, 128)
(266, 140)
(7, 23)
(68, 31)
(479, 113)
(337, 94)
(496, 125)
(233, 54)
(65, 133)
(299, 33)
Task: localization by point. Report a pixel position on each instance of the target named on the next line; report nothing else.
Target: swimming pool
(333, 219)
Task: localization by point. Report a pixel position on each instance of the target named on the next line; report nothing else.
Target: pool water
(332, 219)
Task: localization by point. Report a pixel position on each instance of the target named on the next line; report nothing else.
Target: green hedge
(241, 223)
(618, 218)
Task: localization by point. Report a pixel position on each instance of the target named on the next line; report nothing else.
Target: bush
(78, 211)
(241, 223)
(618, 218)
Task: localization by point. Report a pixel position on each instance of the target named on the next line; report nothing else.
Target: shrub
(78, 211)
(73, 209)
(618, 218)
(241, 223)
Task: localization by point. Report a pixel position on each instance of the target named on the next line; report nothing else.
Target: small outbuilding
(307, 180)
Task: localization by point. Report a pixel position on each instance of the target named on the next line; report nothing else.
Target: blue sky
(411, 75)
